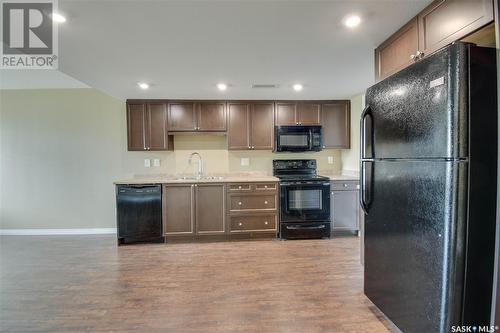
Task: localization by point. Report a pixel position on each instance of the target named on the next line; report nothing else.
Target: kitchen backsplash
(217, 159)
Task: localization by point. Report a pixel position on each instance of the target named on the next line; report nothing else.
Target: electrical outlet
(330, 159)
(156, 162)
(147, 163)
(245, 161)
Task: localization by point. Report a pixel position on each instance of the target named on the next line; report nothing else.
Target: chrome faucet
(199, 174)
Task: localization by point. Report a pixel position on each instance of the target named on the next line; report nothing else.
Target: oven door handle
(305, 228)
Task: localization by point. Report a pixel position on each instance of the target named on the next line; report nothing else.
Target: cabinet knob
(265, 186)
(240, 224)
(239, 203)
(345, 185)
(265, 202)
(239, 187)
(266, 223)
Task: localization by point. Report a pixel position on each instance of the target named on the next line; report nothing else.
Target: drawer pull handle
(239, 203)
(345, 185)
(240, 224)
(265, 202)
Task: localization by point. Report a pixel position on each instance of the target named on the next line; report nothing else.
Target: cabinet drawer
(253, 223)
(252, 202)
(240, 187)
(345, 186)
(265, 186)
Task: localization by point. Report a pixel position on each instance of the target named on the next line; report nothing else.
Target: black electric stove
(304, 200)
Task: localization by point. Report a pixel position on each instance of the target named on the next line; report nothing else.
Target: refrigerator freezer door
(414, 231)
(417, 113)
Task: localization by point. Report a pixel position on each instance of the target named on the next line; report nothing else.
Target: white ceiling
(183, 48)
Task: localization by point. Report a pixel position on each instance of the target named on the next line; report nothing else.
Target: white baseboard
(39, 232)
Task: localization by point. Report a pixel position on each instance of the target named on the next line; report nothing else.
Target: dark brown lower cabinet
(178, 209)
(336, 123)
(210, 209)
(193, 209)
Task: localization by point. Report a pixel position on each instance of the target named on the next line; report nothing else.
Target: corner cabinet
(251, 125)
(345, 206)
(147, 127)
(194, 209)
(439, 24)
(197, 116)
(336, 124)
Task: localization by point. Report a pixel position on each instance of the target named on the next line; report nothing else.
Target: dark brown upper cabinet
(398, 51)
(147, 127)
(251, 125)
(298, 113)
(196, 116)
(439, 24)
(445, 21)
(336, 124)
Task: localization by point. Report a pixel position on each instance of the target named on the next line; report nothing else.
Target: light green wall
(61, 150)
(350, 158)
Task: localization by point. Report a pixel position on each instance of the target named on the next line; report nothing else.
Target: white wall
(350, 158)
(61, 150)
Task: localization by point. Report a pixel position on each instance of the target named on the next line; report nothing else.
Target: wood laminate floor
(88, 284)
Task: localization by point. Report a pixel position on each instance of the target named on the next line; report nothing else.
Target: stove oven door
(305, 202)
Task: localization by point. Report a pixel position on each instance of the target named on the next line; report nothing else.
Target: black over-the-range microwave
(298, 138)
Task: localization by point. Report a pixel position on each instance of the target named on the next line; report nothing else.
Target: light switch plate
(156, 162)
(245, 161)
(147, 163)
(330, 159)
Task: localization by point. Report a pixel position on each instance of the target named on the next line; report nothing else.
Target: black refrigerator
(428, 190)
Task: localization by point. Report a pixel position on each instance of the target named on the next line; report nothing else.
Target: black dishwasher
(139, 213)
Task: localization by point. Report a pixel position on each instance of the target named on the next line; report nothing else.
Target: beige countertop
(171, 179)
(342, 177)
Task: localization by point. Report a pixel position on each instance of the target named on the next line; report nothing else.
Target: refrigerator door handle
(366, 112)
(363, 191)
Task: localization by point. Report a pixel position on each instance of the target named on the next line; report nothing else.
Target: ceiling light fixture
(143, 85)
(297, 87)
(352, 21)
(221, 86)
(58, 18)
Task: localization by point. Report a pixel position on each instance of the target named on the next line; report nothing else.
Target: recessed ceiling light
(58, 18)
(221, 86)
(297, 87)
(143, 85)
(352, 21)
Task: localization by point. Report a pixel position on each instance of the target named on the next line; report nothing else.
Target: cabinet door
(156, 138)
(239, 123)
(136, 126)
(345, 210)
(285, 113)
(395, 53)
(210, 208)
(336, 124)
(178, 209)
(262, 126)
(308, 113)
(211, 116)
(182, 116)
(446, 21)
